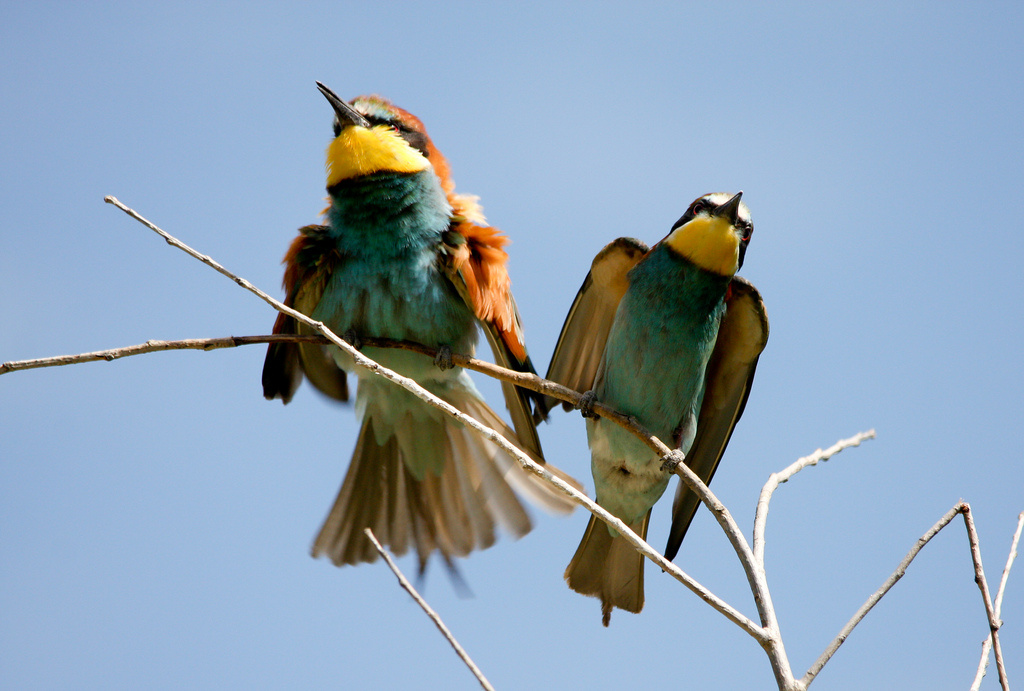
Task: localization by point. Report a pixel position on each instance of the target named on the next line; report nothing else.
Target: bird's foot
(443, 359)
(672, 461)
(586, 404)
(352, 338)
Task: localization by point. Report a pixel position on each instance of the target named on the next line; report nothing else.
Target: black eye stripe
(416, 140)
(377, 120)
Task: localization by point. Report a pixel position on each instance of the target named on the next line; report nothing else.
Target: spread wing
(309, 263)
(742, 336)
(581, 344)
(475, 262)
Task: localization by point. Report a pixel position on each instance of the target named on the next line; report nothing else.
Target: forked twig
(758, 633)
(844, 633)
(986, 647)
(776, 479)
(979, 578)
(768, 634)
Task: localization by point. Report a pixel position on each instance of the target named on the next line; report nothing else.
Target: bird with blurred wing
(671, 336)
(401, 255)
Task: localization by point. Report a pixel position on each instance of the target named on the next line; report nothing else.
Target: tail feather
(431, 484)
(367, 478)
(491, 495)
(609, 568)
(536, 489)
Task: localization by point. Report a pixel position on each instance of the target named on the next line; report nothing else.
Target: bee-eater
(671, 336)
(400, 255)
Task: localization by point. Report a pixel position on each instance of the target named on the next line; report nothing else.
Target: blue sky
(156, 513)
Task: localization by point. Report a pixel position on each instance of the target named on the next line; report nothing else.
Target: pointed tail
(609, 568)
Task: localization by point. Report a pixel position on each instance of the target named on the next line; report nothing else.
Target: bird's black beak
(347, 115)
(730, 211)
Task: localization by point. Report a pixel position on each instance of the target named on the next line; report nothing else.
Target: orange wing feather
(481, 261)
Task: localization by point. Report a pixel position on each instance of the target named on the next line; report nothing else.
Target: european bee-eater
(400, 255)
(671, 336)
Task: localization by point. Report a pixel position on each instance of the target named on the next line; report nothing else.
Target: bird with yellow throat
(671, 336)
(401, 255)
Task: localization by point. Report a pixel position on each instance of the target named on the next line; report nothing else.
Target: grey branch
(768, 634)
(776, 479)
(986, 647)
(878, 594)
(404, 582)
(979, 578)
(151, 347)
(762, 636)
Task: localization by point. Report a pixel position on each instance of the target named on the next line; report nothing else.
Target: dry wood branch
(979, 578)
(675, 459)
(776, 479)
(961, 507)
(152, 346)
(877, 595)
(768, 634)
(758, 633)
(986, 647)
(404, 582)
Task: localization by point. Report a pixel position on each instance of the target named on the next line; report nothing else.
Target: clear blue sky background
(156, 512)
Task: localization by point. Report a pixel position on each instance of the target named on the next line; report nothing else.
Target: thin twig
(776, 479)
(153, 346)
(755, 573)
(404, 582)
(753, 560)
(768, 635)
(878, 594)
(758, 633)
(526, 380)
(986, 647)
(979, 578)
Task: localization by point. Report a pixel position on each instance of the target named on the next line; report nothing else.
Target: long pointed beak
(347, 115)
(730, 210)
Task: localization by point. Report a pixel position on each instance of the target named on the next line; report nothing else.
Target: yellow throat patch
(358, 151)
(710, 242)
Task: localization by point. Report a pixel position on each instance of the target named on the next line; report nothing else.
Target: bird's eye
(699, 207)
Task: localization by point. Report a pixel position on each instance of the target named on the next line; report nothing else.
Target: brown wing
(475, 262)
(742, 336)
(585, 332)
(308, 265)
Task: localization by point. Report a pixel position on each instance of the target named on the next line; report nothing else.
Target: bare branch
(878, 594)
(762, 636)
(776, 479)
(153, 347)
(404, 582)
(979, 578)
(986, 647)
(525, 380)
(768, 635)
(755, 573)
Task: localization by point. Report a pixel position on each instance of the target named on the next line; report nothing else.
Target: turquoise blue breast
(388, 230)
(663, 335)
